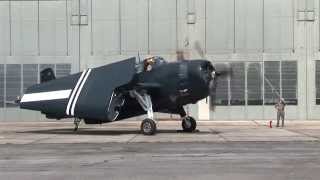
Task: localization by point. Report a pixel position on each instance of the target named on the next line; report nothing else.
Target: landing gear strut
(76, 123)
(148, 125)
(115, 104)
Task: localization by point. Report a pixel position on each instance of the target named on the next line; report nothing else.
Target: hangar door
(34, 35)
(111, 30)
(71, 35)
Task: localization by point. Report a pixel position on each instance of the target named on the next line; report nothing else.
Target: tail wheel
(148, 127)
(189, 124)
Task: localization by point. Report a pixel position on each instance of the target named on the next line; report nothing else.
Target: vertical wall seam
(5, 85)
(148, 30)
(297, 85)
(246, 89)
(306, 69)
(177, 46)
(22, 79)
(120, 31)
(38, 74)
(10, 29)
(263, 6)
(91, 27)
(229, 95)
(293, 22)
(229, 89)
(205, 26)
(79, 37)
(280, 70)
(67, 29)
(38, 27)
(262, 87)
(306, 59)
(234, 26)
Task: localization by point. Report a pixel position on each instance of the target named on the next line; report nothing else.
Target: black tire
(148, 127)
(189, 124)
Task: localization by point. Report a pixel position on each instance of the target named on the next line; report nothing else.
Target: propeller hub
(213, 74)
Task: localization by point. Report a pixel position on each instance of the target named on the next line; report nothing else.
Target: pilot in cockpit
(149, 63)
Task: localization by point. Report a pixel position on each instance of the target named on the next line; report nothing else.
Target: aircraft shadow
(89, 131)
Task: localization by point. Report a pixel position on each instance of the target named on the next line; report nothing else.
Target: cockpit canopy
(155, 60)
(152, 62)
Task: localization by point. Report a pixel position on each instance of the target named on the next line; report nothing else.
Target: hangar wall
(273, 46)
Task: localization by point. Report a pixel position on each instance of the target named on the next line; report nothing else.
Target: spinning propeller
(220, 70)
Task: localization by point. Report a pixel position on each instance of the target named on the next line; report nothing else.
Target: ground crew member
(280, 106)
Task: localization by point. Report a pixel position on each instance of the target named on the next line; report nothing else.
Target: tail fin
(47, 75)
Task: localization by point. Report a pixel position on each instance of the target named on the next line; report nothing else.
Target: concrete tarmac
(218, 150)
(168, 131)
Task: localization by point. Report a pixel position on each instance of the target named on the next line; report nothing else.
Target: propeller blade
(212, 94)
(198, 48)
(223, 70)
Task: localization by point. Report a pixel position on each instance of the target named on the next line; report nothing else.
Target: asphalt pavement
(218, 150)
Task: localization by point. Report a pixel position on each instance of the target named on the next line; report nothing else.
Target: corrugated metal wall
(273, 46)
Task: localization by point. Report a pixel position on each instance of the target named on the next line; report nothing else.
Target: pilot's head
(148, 62)
(180, 55)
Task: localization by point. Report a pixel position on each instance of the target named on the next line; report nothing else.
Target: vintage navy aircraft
(124, 89)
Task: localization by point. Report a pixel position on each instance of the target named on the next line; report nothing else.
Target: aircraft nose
(207, 71)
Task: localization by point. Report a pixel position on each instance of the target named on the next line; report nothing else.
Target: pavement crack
(131, 139)
(298, 132)
(41, 139)
(95, 163)
(255, 122)
(219, 134)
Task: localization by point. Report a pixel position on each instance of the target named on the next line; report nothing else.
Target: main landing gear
(148, 125)
(189, 124)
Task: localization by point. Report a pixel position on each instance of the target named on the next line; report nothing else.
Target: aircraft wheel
(189, 124)
(148, 127)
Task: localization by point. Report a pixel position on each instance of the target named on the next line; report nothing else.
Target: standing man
(280, 106)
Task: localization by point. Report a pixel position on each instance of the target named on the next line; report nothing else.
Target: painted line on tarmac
(304, 134)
